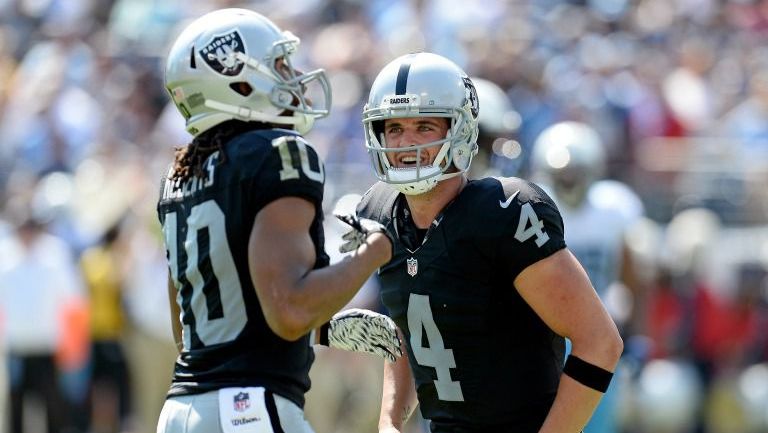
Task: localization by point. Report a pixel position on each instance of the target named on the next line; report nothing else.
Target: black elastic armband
(587, 374)
(324, 333)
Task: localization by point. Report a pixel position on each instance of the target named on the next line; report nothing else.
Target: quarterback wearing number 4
(480, 282)
(242, 220)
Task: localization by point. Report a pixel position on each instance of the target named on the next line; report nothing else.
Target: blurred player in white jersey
(568, 161)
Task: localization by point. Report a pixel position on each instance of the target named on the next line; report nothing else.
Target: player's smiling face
(409, 132)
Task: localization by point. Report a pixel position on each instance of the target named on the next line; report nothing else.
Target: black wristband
(324, 333)
(587, 374)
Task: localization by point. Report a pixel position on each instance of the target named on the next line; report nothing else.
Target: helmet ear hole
(241, 87)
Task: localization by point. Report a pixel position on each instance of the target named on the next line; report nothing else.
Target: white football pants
(201, 413)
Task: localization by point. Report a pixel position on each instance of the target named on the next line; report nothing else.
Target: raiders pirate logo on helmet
(221, 53)
(471, 95)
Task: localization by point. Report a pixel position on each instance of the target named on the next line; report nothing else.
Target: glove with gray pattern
(358, 330)
(361, 228)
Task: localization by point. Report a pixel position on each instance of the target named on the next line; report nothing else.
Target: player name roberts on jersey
(482, 359)
(207, 224)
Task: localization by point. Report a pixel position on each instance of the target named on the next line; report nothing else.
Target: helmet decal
(471, 95)
(221, 53)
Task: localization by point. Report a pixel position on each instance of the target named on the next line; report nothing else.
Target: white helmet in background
(223, 66)
(498, 117)
(668, 396)
(570, 156)
(422, 85)
(753, 396)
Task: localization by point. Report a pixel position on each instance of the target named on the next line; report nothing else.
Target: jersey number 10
(205, 303)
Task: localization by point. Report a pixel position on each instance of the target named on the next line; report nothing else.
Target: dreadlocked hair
(189, 160)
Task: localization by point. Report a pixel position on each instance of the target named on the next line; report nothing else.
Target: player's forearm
(318, 295)
(575, 402)
(398, 400)
(572, 407)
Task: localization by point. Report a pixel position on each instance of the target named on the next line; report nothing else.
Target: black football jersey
(207, 224)
(481, 358)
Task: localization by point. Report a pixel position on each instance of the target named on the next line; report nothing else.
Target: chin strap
(302, 123)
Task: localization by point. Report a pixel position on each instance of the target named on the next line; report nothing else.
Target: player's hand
(389, 430)
(358, 330)
(361, 229)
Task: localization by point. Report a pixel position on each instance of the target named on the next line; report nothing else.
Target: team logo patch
(221, 53)
(241, 401)
(413, 266)
(470, 93)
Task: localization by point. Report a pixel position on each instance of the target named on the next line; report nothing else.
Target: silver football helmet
(570, 157)
(422, 85)
(225, 65)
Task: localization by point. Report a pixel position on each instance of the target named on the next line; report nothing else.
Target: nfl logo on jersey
(413, 266)
(241, 401)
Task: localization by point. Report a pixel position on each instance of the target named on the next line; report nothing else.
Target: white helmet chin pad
(407, 181)
(303, 123)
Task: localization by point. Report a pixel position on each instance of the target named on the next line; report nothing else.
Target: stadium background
(677, 89)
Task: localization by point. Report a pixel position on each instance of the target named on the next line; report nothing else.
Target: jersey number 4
(436, 355)
(536, 228)
(210, 295)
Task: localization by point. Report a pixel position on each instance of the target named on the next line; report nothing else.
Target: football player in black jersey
(241, 216)
(480, 282)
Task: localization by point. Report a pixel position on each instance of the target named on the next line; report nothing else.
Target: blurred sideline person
(241, 216)
(480, 282)
(148, 338)
(43, 305)
(569, 161)
(110, 385)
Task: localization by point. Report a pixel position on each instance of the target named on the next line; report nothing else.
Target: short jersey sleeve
(278, 163)
(533, 228)
(376, 203)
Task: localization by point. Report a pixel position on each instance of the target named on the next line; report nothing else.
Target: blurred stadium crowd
(677, 89)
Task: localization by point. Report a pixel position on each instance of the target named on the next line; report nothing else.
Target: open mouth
(410, 160)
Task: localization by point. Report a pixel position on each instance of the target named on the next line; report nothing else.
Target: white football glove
(358, 330)
(361, 228)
